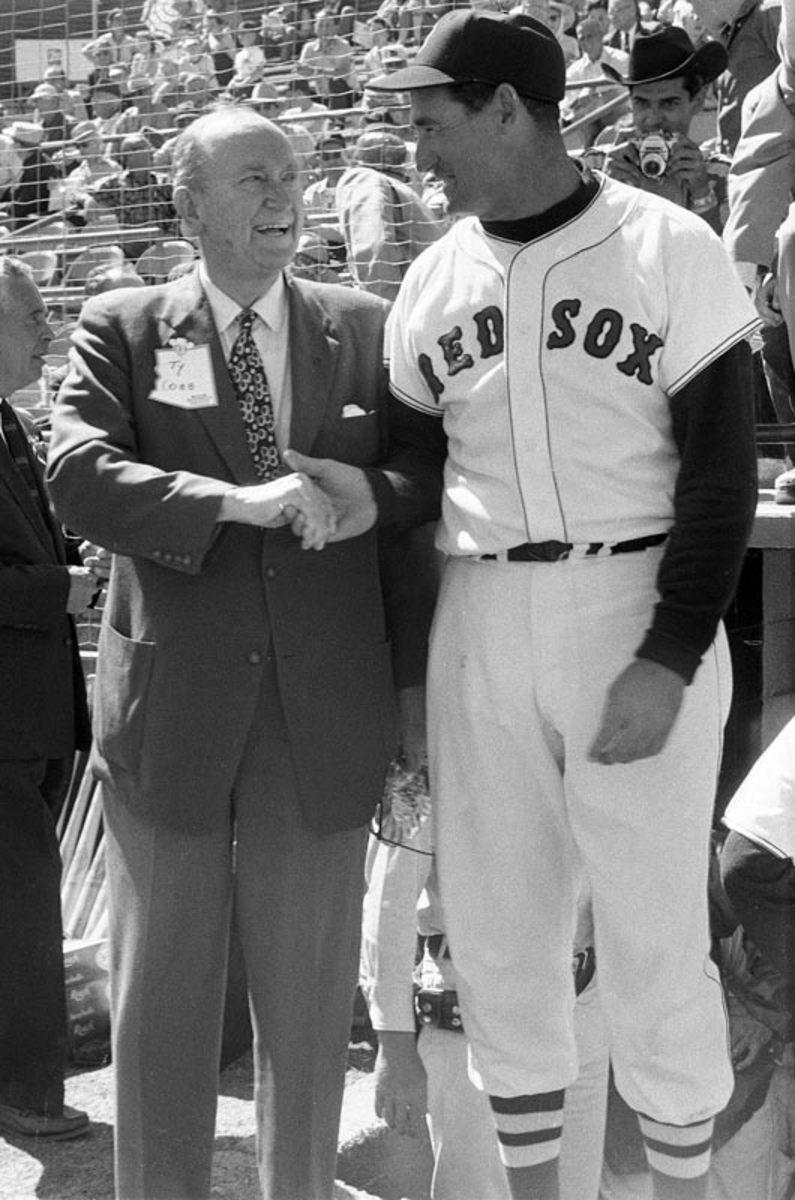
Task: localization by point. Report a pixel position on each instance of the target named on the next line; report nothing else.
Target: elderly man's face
(24, 334)
(248, 211)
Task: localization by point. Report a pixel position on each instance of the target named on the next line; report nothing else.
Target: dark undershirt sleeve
(714, 507)
(408, 485)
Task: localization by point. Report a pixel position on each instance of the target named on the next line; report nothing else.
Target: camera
(653, 151)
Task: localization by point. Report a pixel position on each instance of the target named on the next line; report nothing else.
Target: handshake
(321, 500)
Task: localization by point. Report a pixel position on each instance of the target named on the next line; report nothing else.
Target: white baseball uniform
(553, 365)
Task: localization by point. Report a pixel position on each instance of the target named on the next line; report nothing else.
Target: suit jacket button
(254, 657)
(270, 573)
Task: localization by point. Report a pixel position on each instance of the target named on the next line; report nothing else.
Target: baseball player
(570, 361)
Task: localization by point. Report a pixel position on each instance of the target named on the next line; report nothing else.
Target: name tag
(184, 378)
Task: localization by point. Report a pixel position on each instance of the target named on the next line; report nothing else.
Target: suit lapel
(17, 488)
(314, 350)
(188, 316)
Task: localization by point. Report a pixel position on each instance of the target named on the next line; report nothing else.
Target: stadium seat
(159, 258)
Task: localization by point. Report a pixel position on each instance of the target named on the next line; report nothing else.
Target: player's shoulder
(644, 209)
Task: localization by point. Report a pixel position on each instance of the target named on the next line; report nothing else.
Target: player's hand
(97, 559)
(622, 162)
(401, 1094)
(688, 166)
(641, 707)
(347, 489)
(292, 500)
(766, 300)
(83, 588)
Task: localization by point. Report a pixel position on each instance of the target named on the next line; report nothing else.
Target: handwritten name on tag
(184, 378)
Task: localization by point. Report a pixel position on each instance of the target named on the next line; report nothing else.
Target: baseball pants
(522, 655)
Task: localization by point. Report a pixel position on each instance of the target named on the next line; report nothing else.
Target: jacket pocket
(124, 668)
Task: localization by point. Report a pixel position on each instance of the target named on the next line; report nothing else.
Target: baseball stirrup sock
(528, 1128)
(678, 1155)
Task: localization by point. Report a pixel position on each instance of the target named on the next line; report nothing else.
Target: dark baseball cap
(467, 46)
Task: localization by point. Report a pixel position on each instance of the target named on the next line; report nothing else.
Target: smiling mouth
(279, 230)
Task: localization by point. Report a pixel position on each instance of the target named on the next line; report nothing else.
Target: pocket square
(353, 410)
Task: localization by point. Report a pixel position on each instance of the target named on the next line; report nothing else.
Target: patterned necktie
(254, 397)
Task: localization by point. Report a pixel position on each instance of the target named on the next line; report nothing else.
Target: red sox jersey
(552, 364)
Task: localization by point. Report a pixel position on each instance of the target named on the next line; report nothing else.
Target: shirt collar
(271, 307)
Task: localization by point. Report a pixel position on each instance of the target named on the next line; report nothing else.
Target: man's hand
(289, 500)
(347, 489)
(97, 559)
(641, 707)
(401, 1097)
(622, 162)
(688, 166)
(83, 587)
(766, 299)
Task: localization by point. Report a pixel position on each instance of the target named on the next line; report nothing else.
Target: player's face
(458, 148)
(247, 210)
(663, 107)
(24, 334)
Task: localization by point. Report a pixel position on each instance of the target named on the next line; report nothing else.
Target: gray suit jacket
(194, 606)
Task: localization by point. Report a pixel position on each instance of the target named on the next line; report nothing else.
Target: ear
(185, 204)
(508, 104)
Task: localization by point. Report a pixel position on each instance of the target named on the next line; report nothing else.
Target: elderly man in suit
(44, 718)
(245, 708)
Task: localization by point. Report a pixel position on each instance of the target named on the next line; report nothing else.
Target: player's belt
(439, 1006)
(556, 551)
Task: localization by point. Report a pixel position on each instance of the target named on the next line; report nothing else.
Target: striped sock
(679, 1157)
(528, 1128)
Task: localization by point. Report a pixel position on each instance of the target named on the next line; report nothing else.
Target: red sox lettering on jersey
(601, 338)
(508, 344)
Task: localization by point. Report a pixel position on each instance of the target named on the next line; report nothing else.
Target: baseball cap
(470, 46)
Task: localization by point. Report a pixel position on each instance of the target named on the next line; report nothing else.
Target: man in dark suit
(244, 695)
(43, 720)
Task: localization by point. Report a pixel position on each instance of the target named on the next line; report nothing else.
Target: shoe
(71, 1123)
(784, 488)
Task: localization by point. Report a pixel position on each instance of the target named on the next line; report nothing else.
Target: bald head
(201, 141)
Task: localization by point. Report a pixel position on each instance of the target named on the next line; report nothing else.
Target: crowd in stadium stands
(99, 153)
(96, 156)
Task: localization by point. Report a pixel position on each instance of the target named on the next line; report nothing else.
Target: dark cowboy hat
(669, 53)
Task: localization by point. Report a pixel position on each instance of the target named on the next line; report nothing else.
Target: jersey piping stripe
(404, 398)
(715, 353)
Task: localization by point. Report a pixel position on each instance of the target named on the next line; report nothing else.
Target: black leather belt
(556, 551)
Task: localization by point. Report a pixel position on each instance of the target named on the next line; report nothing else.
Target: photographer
(667, 81)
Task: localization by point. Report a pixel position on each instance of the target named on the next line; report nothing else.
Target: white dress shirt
(270, 333)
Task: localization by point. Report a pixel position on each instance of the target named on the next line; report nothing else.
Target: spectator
(593, 55)
(146, 56)
(384, 222)
(106, 107)
(48, 111)
(94, 165)
(626, 24)
(666, 82)
(123, 45)
(560, 18)
(136, 196)
(44, 720)
(100, 54)
(749, 31)
(384, 55)
(30, 197)
(321, 196)
(71, 98)
(327, 61)
(220, 43)
(250, 58)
